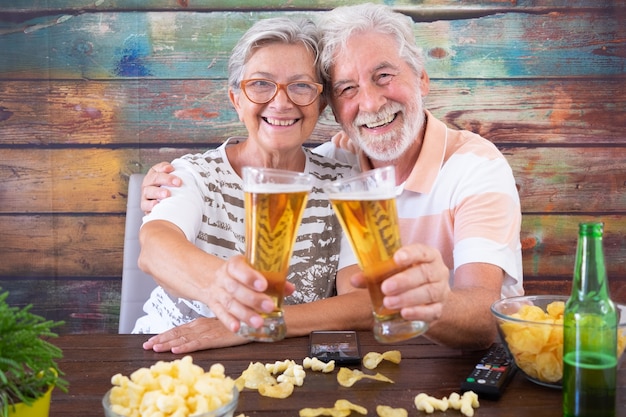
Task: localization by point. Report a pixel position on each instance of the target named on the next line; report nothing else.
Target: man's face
(376, 96)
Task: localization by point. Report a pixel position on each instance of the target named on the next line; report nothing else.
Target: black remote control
(491, 374)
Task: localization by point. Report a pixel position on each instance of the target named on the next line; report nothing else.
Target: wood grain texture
(85, 305)
(444, 7)
(110, 45)
(144, 113)
(90, 361)
(91, 92)
(575, 180)
(62, 245)
(65, 245)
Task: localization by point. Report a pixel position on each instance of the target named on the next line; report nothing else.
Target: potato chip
(549, 366)
(621, 343)
(347, 405)
(386, 411)
(531, 313)
(556, 309)
(372, 359)
(342, 408)
(295, 375)
(348, 377)
(320, 411)
(280, 390)
(255, 375)
(259, 376)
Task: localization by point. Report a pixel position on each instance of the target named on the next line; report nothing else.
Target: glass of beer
(366, 208)
(274, 202)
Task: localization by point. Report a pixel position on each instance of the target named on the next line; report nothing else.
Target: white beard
(392, 145)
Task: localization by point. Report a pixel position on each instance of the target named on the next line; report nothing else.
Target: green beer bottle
(589, 333)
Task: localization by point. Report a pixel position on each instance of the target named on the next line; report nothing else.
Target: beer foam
(276, 188)
(381, 194)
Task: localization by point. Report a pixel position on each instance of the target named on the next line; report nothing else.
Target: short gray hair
(280, 30)
(342, 22)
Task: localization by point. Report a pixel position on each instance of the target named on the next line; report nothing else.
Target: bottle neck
(590, 279)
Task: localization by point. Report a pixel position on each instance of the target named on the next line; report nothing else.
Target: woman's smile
(279, 122)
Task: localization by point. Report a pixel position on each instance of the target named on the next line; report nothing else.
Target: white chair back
(136, 284)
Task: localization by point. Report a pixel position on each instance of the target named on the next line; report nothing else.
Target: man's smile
(381, 123)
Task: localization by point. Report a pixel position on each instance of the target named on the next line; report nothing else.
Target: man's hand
(458, 316)
(343, 141)
(420, 290)
(151, 191)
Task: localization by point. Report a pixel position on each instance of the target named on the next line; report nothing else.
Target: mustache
(385, 113)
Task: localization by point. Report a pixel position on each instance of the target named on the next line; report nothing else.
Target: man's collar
(424, 173)
(431, 157)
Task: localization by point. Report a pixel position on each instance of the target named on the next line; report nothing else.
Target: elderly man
(459, 195)
(459, 208)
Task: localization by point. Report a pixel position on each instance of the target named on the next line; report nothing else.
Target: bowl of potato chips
(531, 329)
(177, 388)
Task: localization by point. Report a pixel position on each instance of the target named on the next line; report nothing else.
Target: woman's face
(279, 124)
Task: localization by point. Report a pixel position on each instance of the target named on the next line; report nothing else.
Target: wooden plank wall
(91, 92)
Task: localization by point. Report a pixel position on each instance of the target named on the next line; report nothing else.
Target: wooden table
(90, 361)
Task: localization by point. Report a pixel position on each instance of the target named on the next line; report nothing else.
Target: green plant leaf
(28, 364)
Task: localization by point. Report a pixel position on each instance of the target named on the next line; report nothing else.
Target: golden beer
(271, 226)
(372, 228)
(366, 208)
(274, 201)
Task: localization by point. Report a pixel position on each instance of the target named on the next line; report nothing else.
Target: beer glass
(274, 202)
(366, 208)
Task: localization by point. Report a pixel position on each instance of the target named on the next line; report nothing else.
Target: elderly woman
(192, 242)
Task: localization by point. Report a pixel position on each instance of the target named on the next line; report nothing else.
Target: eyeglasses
(261, 91)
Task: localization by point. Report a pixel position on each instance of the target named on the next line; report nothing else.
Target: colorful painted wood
(93, 91)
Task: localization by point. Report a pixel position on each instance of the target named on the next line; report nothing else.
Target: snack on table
(255, 375)
(538, 350)
(373, 359)
(465, 404)
(341, 408)
(178, 388)
(428, 404)
(386, 411)
(260, 377)
(280, 390)
(316, 364)
(348, 377)
(279, 366)
(531, 327)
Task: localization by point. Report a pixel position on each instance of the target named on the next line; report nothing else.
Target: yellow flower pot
(40, 408)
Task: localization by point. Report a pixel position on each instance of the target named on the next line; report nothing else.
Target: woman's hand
(236, 294)
(201, 333)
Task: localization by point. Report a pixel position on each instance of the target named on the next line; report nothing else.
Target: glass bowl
(227, 410)
(535, 346)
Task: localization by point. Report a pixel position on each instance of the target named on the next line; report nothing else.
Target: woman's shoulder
(205, 161)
